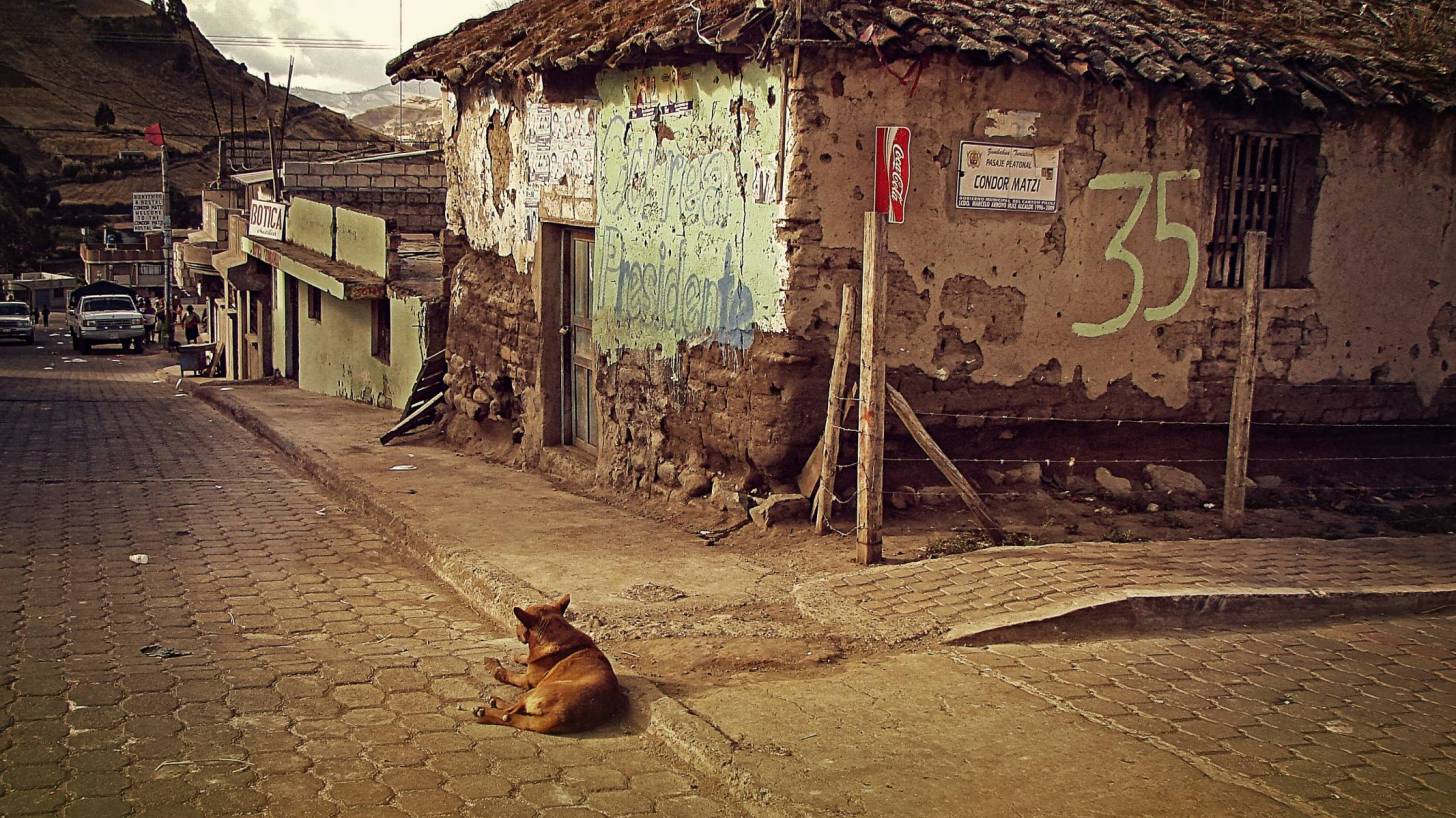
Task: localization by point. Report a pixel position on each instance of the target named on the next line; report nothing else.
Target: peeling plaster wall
(690, 267)
(686, 251)
(494, 330)
(996, 310)
(485, 169)
(716, 315)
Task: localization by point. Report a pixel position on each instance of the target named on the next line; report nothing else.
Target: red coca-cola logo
(897, 174)
(892, 171)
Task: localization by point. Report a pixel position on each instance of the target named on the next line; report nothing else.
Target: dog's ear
(526, 618)
(562, 603)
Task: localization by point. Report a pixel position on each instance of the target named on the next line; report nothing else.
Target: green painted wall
(311, 225)
(687, 200)
(362, 239)
(334, 355)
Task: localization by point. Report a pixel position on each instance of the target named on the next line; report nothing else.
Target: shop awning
(343, 281)
(239, 270)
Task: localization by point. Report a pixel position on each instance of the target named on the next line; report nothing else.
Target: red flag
(153, 134)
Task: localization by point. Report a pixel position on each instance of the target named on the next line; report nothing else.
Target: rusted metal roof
(1319, 52)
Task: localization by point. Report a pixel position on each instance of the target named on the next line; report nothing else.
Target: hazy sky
(375, 21)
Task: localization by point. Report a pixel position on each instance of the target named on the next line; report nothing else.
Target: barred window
(1266, 182)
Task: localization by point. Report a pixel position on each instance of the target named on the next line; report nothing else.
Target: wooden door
(579, 350)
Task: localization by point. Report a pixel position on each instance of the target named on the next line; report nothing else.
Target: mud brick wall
(409, 192)
(493, 343)
(717, 312)
(746, 414)
(987, 311)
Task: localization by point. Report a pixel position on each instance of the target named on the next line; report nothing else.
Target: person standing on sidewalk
(149, 320)
(191, 325)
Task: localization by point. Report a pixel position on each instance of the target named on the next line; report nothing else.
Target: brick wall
(409, 192)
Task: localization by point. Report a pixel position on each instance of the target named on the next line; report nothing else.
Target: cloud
(374, 21)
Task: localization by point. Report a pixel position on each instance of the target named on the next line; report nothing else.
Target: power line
(241, 39)
(240, 134)
(258, 43)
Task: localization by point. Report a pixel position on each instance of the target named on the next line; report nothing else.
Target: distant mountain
(354, 103)
(418, 121)
(61, 61)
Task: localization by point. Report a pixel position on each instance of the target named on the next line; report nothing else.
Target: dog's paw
(523, 659)
(500, 674)
(479, 713)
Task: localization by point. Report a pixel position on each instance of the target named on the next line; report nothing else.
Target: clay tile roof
(535, 35)
(1315, 52)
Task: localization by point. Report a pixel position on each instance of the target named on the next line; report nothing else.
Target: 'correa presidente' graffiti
(686, 246)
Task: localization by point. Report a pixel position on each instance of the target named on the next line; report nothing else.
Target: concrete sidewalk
(503, 537)
(912, 734)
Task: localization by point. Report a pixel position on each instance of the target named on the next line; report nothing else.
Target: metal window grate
(1256, 183)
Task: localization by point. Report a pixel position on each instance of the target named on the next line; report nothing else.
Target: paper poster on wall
(1008, 178)
(560, 149)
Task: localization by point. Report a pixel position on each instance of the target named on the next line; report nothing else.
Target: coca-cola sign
(892, 171)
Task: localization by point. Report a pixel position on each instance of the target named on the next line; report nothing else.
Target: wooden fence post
(838, 374)
(1236, 470)
(947, 467)
(871, 473)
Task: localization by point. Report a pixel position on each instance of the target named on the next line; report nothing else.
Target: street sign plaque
(148, 212)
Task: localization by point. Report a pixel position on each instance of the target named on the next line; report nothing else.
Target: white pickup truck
(15, 321)
(105, 319)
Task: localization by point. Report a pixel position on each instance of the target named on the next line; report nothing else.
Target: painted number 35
(1117, 249)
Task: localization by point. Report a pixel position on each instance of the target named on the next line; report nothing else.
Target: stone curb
(494, 592)
(1125, 611)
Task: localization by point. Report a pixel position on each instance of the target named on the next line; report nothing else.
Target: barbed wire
(1124, 461)
(994, 416)
(1154, 422)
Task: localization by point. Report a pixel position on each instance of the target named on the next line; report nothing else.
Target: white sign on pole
(148, 212)
(1008, 178)
(265, 219)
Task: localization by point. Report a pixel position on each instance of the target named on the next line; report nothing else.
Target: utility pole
(166, 248)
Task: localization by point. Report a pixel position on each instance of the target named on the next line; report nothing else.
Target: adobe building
(661, 209)
(124, 257)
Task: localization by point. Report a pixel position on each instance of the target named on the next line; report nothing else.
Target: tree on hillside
(173, 11)
(105, 117)
(26, 205)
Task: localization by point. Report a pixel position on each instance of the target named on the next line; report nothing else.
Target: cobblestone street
(1349, 719)
(316, 674)
(319, 677)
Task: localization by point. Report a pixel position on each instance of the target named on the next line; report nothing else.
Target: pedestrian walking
(45, 314)
(149, 320)
(191, 325)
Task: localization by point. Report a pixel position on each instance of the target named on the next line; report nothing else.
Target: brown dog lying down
(569, 682)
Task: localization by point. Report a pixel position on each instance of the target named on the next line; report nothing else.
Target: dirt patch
(685, 665)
